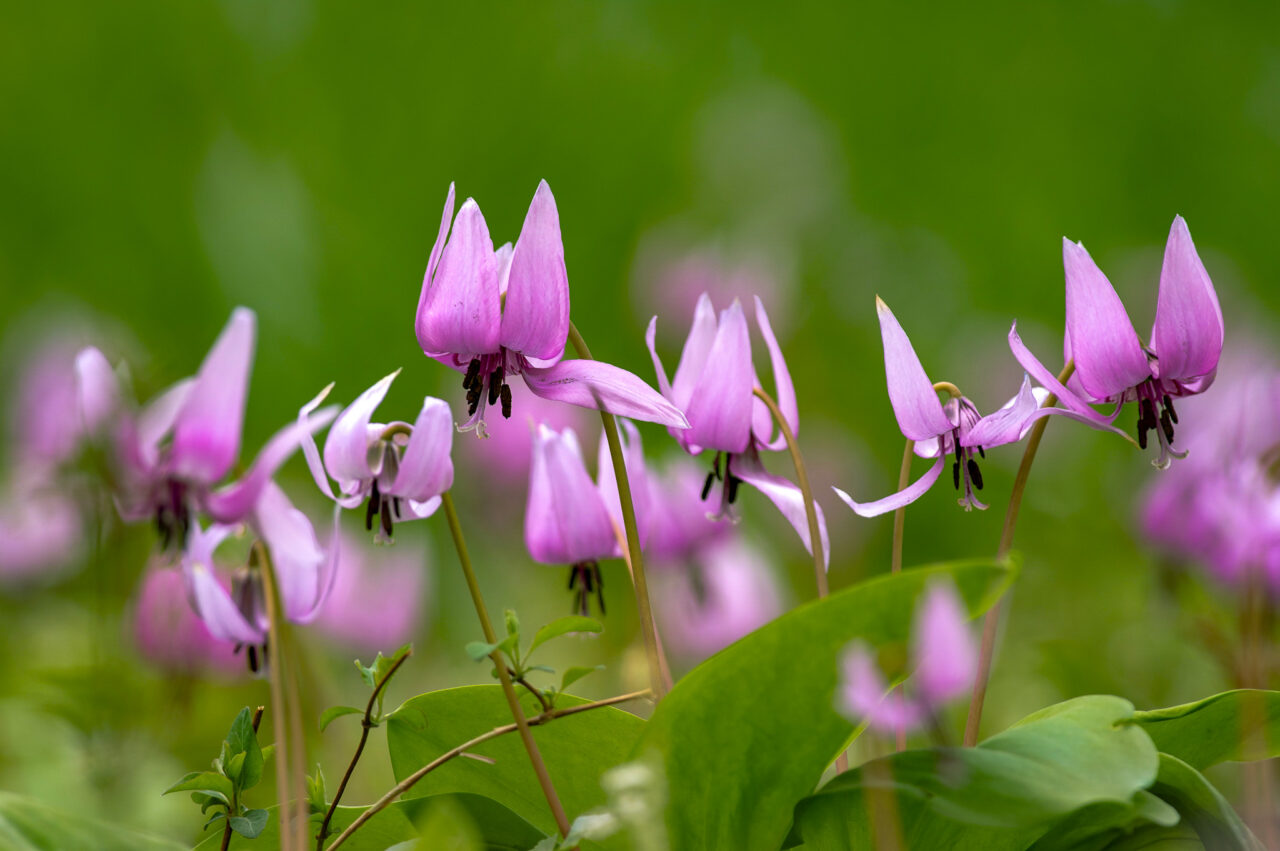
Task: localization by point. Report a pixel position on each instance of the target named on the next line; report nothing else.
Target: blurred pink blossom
(40, 527)
(170, 635)
(504, 458)
(378, 596)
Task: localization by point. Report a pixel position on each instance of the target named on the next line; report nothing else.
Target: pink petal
(347, 448)
(461, 312)
(945, 656)
(97, 390)
(211, 601)
(566, 520)
(432, 264)
(902, 498)
(602, 386)
(1188, 331)
(862, 694)
(915, 402)
(703, 334)
(156, 420)
(787, 497)
(680, 524)
(1006, 425)
(170, 635)
(650, 340)
(637, 477)
(327, 575)
(719, 410)
(426, 468)
(784, 390)
(377, 597)
(1107, 352)
(535, 317)
(1047, 379)
(295, 553)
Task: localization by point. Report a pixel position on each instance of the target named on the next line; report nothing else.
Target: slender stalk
(900, 516)
(365, 726)
(802, 476)
(226, 829)
(297, 742)
(663, 667)
(991, 622)
(275, 680)
(643, 606)
(500, 664)
(408, 783)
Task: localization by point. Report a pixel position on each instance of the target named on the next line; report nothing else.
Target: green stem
(500, 664)
(900, 516)
(991, 622)
(275, 681)
(645, 610)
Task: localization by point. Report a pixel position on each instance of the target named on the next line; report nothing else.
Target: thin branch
(533, 690)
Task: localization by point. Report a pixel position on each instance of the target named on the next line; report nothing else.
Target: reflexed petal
(426, 468)
(719, 409)
(157, 419)
(697, 349)
(433, 262)
(602, 386)
(462, 310)
(97, 390)
(565, 520)
(650, 340)
(1049, 380)
(206, 438)
(1006, 425)
(945, 657)
(787, 497)
(783, 388)
(893, 502)
(1188, 331)
(1108, 355)
(309, 450)
(346, 449)
(637, 477)
(327, 576)
(915, 402)
(209, 598)
(535, 316)
(861, 695)
(295, 553)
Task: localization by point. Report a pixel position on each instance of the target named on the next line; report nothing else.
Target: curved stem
(275, 681)
(366, 725)
(406, 784)
(802, 477)
(991, 622)
(500, 664)
(643, 606)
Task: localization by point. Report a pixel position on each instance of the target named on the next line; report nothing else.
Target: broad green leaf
(30, 825)
(327, 717)
(1202, 807)
(501, 829)
(1239, 726)
(209, 782)
(577, 749)
(250, 824)
(383, 830)
(577, 672)
(446, 826)
(1097, 826)
(748, 733)
(243, 740)
(564, 626)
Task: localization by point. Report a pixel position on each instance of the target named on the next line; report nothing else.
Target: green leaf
(1240, 726)
(383, 830)
(577, 749)
(208, 782)
(30, 825)
(1098, 825)
(1202, 807)
(748, 733)
(481, 650)
(327, 717)
(576, 673)
(243, 740)
(250, 824)
(234, 766)
(447, 825)
(381, 664)
(513, 622)
(317, 802)
(564, 626)
(501, 829)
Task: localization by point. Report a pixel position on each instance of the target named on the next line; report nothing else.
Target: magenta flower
(571, 520)
(946, 663)
(939, 431)
(170, 635)
(680, 527)
(377, 598)
(1113, 365)
(504, 458)
(493, 315)
(400, 470)
(714, 385)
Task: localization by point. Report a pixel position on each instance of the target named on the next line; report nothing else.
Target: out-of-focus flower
(727, 592)
(938, 430)
(672, 283)
(401, 470)
(571, 520)
(170, 635)
(506, 456)
(40, 527)
(493, 315)
(713, 385)
(680, 525)
(46, 424)
(1113, 365)
(377, 599)
(945, 658)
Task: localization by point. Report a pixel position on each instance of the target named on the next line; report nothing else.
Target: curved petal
(1006, 425)
(295, 552)
(637, 476)
(208, 597)
(862, 695)
(327, 576)
(426, 468)
(719, 410)
(1107, 352)
(650, 340)
(788, 499)
(784, 390)
(432, 262)
(915, 402)
(945, 657)
(1188, 331)
(893, 502)
(462, 311)
(1047, 379)
(565, 521)
(346, 449)
(97, 390)
(535, 316)
(697, 349)
(602, 386)
(309, 450)
(206, 437)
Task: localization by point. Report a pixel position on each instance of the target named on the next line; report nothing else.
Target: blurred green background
(163, 162)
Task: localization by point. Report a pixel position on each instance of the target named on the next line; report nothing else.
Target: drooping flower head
(953, 430)
(714, 385)
(945, 660)
(680, 527)
(493, 315)
(398, 470)
(171, 636)
(1113, 365)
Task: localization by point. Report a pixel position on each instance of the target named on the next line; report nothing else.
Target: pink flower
(377, 599)
(40, 528)
(168, 633)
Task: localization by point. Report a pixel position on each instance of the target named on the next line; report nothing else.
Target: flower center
(585, 580)
(729, 492)
(384, 507)
(173, 517)
(965, 474)
(486, 383)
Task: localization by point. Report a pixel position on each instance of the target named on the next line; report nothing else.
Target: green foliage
(28, 825)
(500, 829)
(577, 750)
(333, 712)
(519, 663)
(564, 626)
(237, 769)
(1202, 807)
(748, 733)
(388, 827)
(372, 675)
(1241, 725)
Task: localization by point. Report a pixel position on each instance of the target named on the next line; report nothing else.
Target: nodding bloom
(680, 528)
(172, 637)
(172, 454)
(1113, 365)
(713, 385)
(398, 470)
(304, 573)
(945, 660)
(493, 315)
(571, 520)
(954, 430)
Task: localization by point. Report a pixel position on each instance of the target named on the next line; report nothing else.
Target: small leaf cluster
(372, 675)
(237, 769)
(519, 663)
